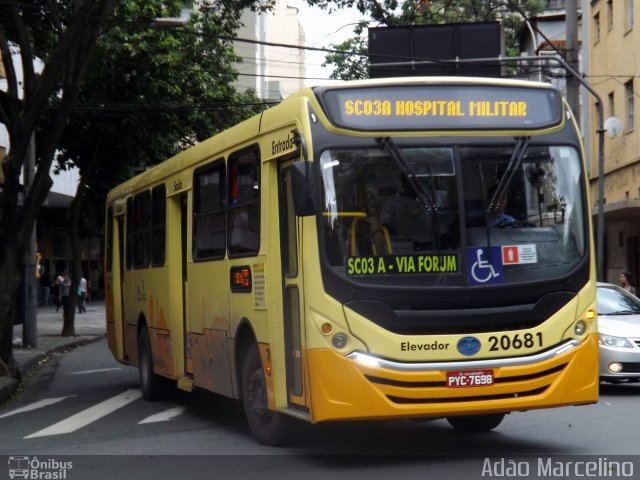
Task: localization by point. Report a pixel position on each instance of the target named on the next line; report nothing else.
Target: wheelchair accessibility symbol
(484, 265)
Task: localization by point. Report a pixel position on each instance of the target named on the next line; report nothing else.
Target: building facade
(272, 71)
(614, 68)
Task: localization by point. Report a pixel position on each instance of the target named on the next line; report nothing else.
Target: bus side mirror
(304, 189)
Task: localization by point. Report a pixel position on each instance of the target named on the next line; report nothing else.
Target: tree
(150, 91)
(61, 34)
(350, 60)
(422, 12)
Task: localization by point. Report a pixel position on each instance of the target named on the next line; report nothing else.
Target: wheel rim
(257, 397)
(144, 364)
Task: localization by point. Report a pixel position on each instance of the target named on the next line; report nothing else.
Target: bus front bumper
(346, 388)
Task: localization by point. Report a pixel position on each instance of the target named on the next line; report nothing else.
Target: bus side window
(142, 229)
(158, 225)
(209, 212)
(244, 204)
(130, 223)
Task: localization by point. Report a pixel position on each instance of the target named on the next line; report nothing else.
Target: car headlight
(611, 341)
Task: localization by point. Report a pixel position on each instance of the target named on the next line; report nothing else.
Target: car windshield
(421, 215)
(612, 301)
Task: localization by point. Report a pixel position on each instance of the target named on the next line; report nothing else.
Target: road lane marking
(90, 415)
(165, 415)
(84, 372)
(35, 406)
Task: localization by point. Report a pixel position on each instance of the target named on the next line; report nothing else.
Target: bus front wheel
(267, 426)
(476, 423)
(153, 386)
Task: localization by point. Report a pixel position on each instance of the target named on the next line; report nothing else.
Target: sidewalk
(89, 326)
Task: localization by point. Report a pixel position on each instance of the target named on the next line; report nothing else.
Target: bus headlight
(580, 327)
(339, 340)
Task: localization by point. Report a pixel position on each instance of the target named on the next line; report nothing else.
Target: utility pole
(572, 57)
(30, 319)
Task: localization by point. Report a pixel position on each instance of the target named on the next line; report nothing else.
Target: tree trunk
(69, 315)
(8, 296)
(75, 213)
(66, 63)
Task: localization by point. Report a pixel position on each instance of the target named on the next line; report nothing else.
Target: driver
(498, 216)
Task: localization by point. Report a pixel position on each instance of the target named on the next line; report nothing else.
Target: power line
(145, 108)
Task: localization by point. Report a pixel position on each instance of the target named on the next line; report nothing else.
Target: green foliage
(358, 65)
(45, 47)
(152, 91)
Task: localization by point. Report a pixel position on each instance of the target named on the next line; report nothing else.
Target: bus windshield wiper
(505, 181)
(428, 200)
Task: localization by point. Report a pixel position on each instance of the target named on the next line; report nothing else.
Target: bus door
(183, 291)
(118, 279)
(291, 289)
(177, 273)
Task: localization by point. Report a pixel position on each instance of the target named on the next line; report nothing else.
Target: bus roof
(251, 127)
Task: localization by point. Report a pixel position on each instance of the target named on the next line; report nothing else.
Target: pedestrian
(65, 294)
(45, 284)
(626, 282)
(82, 295)
(58, 291)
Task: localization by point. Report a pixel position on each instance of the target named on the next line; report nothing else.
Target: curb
(9, 386)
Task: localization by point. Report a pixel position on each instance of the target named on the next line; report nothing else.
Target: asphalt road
(86, 408)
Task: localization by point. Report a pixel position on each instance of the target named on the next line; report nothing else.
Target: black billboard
(431, 46)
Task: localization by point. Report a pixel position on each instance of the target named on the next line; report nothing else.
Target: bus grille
(433, 320)
(467, 399)
(430, 392)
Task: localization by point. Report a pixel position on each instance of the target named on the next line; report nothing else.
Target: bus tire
(267, 426)
(476, 423)
(153, 386)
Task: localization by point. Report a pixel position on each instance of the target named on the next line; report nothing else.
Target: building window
(209, 212)
(628, 87)
(596, 27)
(554, 4)
(630, 14)
(609, 15)
(611, 104)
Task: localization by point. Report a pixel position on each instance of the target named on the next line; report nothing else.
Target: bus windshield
(426, 218)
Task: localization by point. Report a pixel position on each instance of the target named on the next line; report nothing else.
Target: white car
(619, 329)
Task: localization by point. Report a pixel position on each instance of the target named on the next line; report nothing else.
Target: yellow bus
(380, 249)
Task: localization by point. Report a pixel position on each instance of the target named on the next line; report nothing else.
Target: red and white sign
(517, 254)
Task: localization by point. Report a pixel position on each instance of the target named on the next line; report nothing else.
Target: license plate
(470, 378)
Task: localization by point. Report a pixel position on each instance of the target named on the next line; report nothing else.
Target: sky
(321, 30)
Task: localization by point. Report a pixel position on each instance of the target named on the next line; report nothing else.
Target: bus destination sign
(440, 107)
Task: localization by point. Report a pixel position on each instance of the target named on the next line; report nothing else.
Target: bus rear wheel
(267, 426)
(476, 423)
(153, 386)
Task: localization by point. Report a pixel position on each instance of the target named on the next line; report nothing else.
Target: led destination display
(439, 107)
